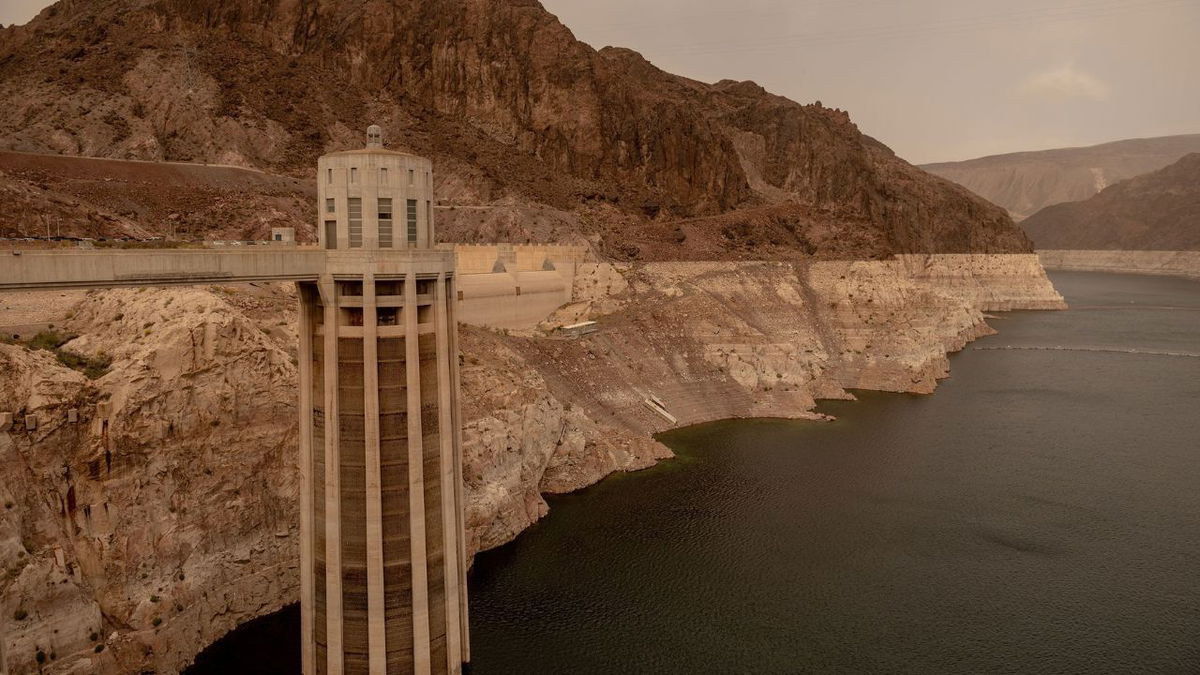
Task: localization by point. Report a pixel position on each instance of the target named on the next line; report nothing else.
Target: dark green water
(1039, 514)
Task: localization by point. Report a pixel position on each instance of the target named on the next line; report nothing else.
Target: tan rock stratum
(167, 514)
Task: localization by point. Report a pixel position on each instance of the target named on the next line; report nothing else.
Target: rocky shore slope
(153, 509)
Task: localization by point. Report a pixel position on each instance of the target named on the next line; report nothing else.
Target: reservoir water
(1039, 514)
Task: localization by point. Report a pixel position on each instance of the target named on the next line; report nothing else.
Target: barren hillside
(50, 195)
(1158, 212)
(554, 138)
(1024, 182)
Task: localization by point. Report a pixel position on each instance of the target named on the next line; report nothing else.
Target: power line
(1076, 12)
(642, 25)
(1079, 12)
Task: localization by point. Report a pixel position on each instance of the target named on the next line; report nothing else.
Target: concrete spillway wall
(514, 301)
(513, 287)
(1170, 263)
(482, 258)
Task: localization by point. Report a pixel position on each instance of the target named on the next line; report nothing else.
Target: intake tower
(383, 572)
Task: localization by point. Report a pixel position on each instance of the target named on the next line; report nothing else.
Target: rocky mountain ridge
(1159, 211)
(516, 113)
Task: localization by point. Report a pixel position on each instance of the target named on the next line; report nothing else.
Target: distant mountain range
(1025, 182)
(1157, 211)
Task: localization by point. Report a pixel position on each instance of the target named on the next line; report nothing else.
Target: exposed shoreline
(213, 387)
(1166, 263)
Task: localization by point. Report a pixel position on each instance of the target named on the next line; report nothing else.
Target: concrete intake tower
(383, 564)
(382, 556)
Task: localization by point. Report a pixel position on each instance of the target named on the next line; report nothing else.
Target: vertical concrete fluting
(383, 570)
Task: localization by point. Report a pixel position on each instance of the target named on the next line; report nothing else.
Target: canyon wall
(1170, 263)
(150, 510)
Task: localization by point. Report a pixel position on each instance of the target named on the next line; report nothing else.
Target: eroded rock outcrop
(165, 514)
(716, 340)
(520, 441)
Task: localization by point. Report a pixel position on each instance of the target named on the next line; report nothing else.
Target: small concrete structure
(31, 422)
(283, 236)
(654, 403)
(6, 421)
(580, 329)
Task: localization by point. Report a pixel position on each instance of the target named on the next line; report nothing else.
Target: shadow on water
(269, 645)
(1039, 514)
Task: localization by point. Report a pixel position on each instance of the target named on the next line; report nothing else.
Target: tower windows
(385, 222)
(412, 222)
(331, 234)
(353, 175)
(329, 176)
(329, 205)
(354, 214)
(429, 222)
(410, 177)
(383, 175)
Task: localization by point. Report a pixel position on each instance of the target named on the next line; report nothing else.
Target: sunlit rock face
(165, 514)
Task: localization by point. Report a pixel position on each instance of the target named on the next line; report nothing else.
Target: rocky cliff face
(1026, 182)
(714, 340)
(166, 514)
(152, 510)
(163, 516)
(514, 111)
(1159, 211)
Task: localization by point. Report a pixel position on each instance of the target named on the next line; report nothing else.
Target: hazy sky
(934, 79)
